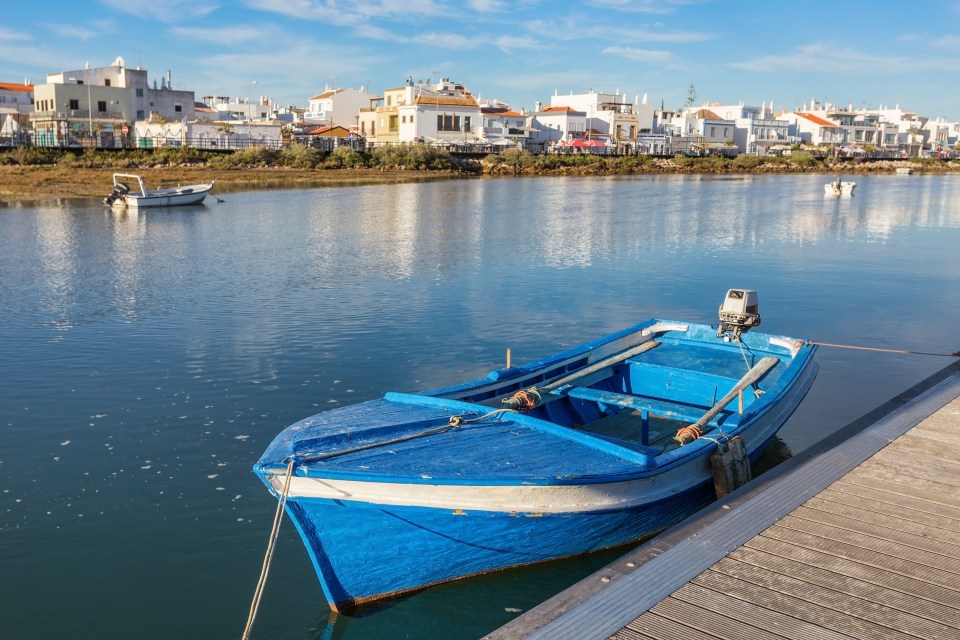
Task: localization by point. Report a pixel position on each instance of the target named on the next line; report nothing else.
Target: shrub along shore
(29, 173)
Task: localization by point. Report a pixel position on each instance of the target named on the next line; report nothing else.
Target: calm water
(147, 360)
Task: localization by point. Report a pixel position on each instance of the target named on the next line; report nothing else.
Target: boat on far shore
(839, 187)
(138, 197)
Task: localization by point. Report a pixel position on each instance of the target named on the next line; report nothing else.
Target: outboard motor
(119, 191)
(739, 312)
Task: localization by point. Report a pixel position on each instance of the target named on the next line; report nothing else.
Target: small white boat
(839, 187)
(904, 171)
(138, 196)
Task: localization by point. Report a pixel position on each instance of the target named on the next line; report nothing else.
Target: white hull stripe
(497, 498)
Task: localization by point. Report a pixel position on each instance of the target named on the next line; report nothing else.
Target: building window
(448, 122)
(467, 125)
(101, 106)
(178, 108)
(140, 114)
(74, 105)
(139, 93)
(106, 82)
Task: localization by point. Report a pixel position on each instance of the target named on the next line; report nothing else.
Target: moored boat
(124, 195)
(593, 447)
(839, 187)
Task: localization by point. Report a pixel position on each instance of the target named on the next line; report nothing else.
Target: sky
(865, 54)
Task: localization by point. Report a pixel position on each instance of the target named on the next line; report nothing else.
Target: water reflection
(150, 357)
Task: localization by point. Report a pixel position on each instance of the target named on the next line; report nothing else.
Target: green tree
(691, 97)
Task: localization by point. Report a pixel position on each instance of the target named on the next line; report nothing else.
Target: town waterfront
(148, 359)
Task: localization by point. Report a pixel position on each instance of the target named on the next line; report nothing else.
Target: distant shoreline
(33, 183)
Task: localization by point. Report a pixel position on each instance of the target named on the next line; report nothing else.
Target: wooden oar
(758, 371)
(600, 364)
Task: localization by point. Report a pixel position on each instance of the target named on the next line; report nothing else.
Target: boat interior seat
(668, 409)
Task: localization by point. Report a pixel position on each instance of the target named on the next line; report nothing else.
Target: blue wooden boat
(599, 445)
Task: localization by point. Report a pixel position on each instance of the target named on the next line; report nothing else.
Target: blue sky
(518, 51)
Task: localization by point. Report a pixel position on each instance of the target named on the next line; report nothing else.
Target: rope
(955, 354)
(687, 434)
(461, 419)
(271, 547)
(757, 391)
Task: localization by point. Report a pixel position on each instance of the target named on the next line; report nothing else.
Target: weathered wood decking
(857, 538)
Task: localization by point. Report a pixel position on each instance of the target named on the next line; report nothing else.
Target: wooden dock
(859, 537)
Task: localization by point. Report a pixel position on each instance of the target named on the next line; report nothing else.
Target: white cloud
(821, 57)
(509, 44)
(350, 12)
(662, 58)
(488, 6)
(447, 40)
(73, 32)
(237, 34)
(171, 11)
(8, 35)
(637, 6)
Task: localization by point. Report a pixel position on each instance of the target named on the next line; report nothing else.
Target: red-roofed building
(503, 126)
(812, 129)
(559, 125)
(444, 113)
(16, 105)
(612, 116)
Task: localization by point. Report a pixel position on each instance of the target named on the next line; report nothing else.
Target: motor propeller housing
(739, 312)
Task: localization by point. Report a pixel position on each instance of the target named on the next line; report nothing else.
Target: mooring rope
(271, 547)
(955, 354)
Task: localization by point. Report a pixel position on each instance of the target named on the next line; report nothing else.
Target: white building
(443, 113)
(338, 106)
(610, 117)
(16, 105)
(811, 129)
(703, 132)
(501, 125)
(864, 130)
(755, 128)
(241, 108)
(558, 125)
(97, 106)
(208, 135)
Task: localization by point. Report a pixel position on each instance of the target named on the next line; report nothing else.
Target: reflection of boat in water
(593, 447)
(839, 188)
(123, 195)
(776, 452)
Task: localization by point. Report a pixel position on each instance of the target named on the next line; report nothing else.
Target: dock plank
(706, 621)
(857, 537)
(869, 557)
(657, 627)
(899, 478)
(857, 581)
(755, 614)
(899, 496)
(858, 528)
(827, 598)
(804, 609)
(923, 467)
(882, 514)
